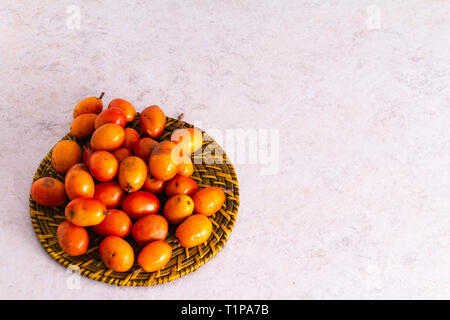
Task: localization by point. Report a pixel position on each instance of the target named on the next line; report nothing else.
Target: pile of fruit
(127, 186)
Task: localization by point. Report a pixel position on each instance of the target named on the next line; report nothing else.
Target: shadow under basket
(214, 169)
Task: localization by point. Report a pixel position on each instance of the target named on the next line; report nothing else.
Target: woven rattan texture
(215, 169)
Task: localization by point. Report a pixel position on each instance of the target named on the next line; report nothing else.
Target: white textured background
(360, 207)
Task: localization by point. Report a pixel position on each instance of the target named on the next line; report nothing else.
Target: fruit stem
(101, 95)
(180, 116)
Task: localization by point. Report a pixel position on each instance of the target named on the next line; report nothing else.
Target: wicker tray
(45, 221)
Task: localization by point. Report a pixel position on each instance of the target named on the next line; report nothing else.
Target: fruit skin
(110, 194)
(116, 253)
(154, 186)
(155, 255)
(83, 125)
(127, 108)
(178, 208)
(65, 154)
(152, 121)
(150, 228)
(48, 192)
(103, 165)
(181, 185)
(116, 223)
(109, 137)
(111, 115)
(131, 138)
(185, 167)
(140, 203)
(132, 174)
(144, 147)
(85, 212)
(208, 200)
(189, 140)
(194, 231)
(79, 183)
(73, 240)
(163, 162)
(121, 154)
(87, 153)
(88, 105)
(78, 166)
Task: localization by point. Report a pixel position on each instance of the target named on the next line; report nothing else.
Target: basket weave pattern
(45, 221)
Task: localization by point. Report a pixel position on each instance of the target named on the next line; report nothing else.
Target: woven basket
(45, 222)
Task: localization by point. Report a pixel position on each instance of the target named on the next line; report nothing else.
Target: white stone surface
(360, 205)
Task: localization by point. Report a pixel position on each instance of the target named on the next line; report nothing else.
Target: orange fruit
(150, 228)
(181, 185)
(144, 147)
(48, 192)
(155, 255)
(132, 174)
(103, 165)
(208, 201)
(121, 154)
(140, 203)
(152, 121)
(88, 105)
(116, 253)
(83, 125)
(85, 212)
(163, 162)
(78, 166)
(185, 167)
(65, 154)
(111, 115)
(131, 138)
(194, 231)
(109, 136)
(154, 186)
(74, 240)
(116, 223)
(87, 153)
(178, 208)
(127, 108)
(189, 140)
(79, 183)
(110, 194)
